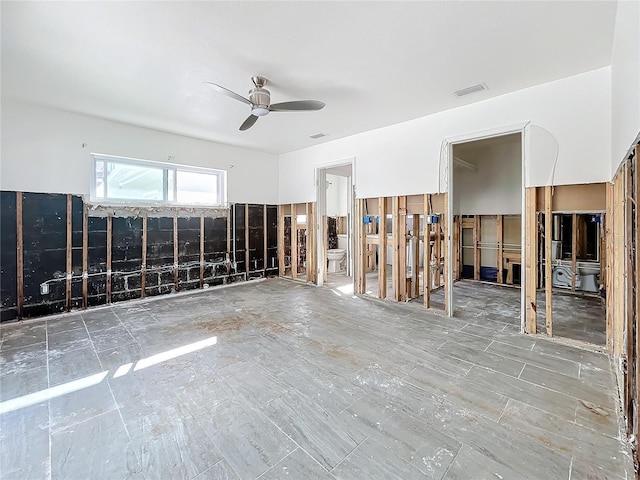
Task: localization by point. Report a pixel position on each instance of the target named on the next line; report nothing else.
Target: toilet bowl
(589, 277)
(561, 277)
(336, 257)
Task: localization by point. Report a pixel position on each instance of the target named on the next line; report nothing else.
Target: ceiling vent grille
(318, 135)
(472, 89)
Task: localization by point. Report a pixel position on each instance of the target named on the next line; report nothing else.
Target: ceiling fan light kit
(260, 102)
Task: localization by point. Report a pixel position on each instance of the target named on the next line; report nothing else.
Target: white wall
(625, 81)
(403, 159)
(336, 196)
(495, 188)
(42, 152)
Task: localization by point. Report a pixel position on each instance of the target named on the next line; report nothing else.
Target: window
(120, 180)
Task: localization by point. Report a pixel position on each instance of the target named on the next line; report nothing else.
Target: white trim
(320, 174)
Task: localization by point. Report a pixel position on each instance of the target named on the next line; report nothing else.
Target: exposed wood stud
(548, 278)
(395, 216)
(281, 264)
(457, 260)
(265, 238)
(635, 422)
(574, 250)
(19, 256)
(427, 253)
(294, 241)
(325, 242)
(500, 235)
(609, 278)
(476, 247)
(247, 257)
(402, 249)
(143, 270)
(308, 273)
(176, 276)
(202, 251)
(445, 251)
(382, 247)
(109, 253)
(85, 254)
(228, 254)
(531, 260)
(362, 247)
(69, 270)
(312, 250)
(415, 269)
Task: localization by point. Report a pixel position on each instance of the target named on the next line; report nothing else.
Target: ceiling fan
(259, 101)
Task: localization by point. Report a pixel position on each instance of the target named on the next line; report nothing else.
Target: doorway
(335, 196)
(487, 249)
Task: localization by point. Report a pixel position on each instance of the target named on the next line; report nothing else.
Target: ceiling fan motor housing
(261, 99)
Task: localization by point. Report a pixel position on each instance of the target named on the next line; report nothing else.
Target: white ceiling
(373, 63)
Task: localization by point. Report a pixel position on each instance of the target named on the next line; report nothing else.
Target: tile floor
(277, 379)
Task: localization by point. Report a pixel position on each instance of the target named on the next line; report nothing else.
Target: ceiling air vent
(472, 89)
(318, 135)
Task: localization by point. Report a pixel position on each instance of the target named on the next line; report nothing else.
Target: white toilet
(336, 257)
(589, 277)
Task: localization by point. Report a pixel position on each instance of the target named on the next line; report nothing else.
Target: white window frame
(221, 176)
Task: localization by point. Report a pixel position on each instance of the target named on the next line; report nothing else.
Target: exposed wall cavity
(76, 255)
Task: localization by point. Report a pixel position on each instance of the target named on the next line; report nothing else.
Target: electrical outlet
(44, 289)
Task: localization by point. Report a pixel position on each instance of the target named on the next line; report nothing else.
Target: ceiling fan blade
(297, 106)
(229, 93)
(248, 123)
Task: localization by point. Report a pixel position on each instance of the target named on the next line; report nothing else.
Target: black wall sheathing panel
(256, 238)
(240, 247)
(8, 257)
(272, 238)
(215, 248)
(97, 261)
(159, 256)
(126, 258)
(189, 252)
(77, 207)
(44, 226)
(45, 252)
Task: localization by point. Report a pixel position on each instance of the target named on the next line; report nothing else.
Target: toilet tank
(343, 241)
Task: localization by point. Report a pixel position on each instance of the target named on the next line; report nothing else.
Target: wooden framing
(456, 247)
(201, 251)
(143, 268)
(311, 243)
(85, 256)
(531, 260)
(294, 241)
(228, 255)
(633, 424)
(281, 263)
(427, 253)
(19, 257)
(400, 228)
(437, 250)
(247, 266)
(500, 240)
(415, 269)
(574, 250)
(382, 247)
(548, 263)
(619, 289)
(176, 276)
(476, 247)
(264, 238)
(360, 270)
(69, 266)
(609, 279)
(109, 248)
(445, 233)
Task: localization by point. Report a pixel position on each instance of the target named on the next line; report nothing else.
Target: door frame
(320, 173)
(447, 173)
